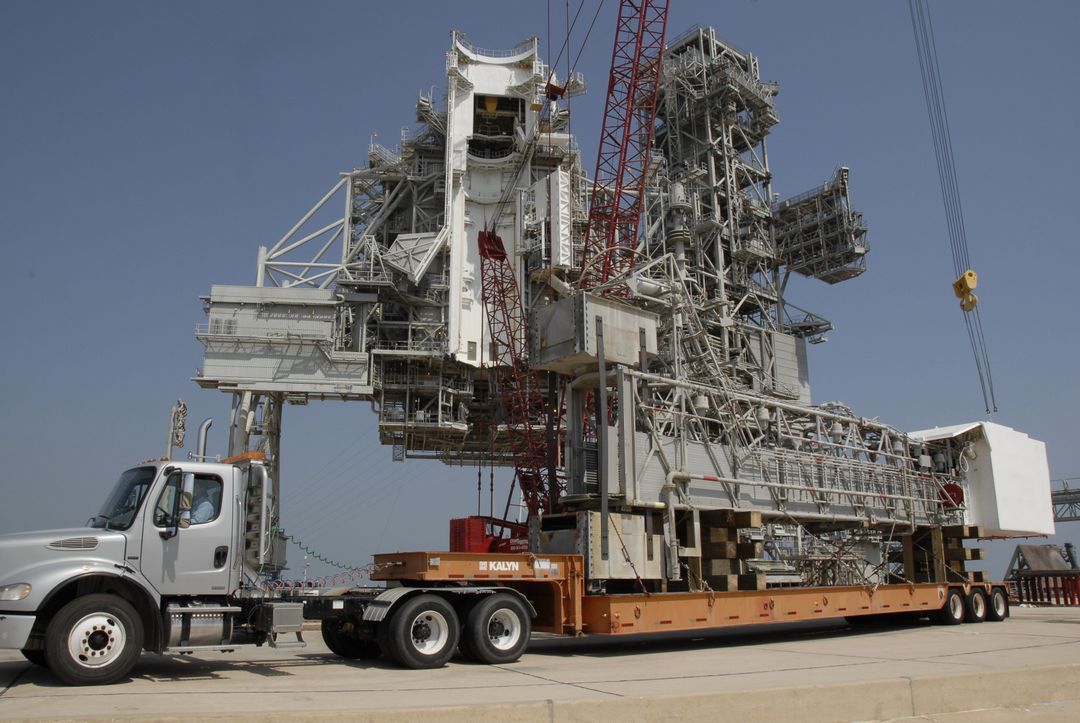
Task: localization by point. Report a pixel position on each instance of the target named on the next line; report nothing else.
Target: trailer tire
(997, 608)
(344, 644)
(37, 657)
(497, 630)
(422, 632)
(975, 606)
(94, 640)
(952, 612)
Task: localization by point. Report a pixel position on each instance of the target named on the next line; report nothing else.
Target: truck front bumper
(15, 630)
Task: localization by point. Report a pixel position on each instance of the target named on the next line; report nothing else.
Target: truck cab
(160, 567)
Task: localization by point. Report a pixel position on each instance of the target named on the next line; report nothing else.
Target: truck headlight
(18, 591)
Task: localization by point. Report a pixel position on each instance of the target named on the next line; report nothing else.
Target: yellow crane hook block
(964, 288)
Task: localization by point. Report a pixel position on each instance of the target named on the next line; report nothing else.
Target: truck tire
(93, 640)
(497, 630)
(343, 643)
(975, 606)
(952, 612)
(997, 608)
(422, 633)
(37, 657)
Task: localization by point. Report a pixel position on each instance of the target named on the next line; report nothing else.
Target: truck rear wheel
(422, 633)
(497, 630)
(998, 607)
(952, 613)
(93, 640)
(975, 606)
(341, 641)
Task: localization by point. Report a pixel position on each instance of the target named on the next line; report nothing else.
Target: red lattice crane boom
(517, 385)
(622, 161)
(615, 210)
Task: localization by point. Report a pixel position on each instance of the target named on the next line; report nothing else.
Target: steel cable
(934, 92)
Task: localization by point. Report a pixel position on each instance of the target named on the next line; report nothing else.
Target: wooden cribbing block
(963, 553)
(721, 550)
(747, 550)
(723, 583)
(752, 581)
(724, 567)
(740, 518)
(966, 532)
(722, 534)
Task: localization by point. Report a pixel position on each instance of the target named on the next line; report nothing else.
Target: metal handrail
(524, 46)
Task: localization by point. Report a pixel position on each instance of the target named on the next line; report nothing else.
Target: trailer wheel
(497, 630)
(343, 643)
(952, 613)
(93, 640)
(37, 657)
(998, 607)
(422, 633)
(975, 606)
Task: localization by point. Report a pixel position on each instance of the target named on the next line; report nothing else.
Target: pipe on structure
(204, 431)
(601, 438)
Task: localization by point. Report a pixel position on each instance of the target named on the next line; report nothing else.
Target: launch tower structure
(702, 357)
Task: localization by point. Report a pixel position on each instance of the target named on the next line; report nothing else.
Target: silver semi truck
(161, 567)
(176, 561)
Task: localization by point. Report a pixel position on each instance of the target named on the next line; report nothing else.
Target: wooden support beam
(740, 518)
(966, 532)
(937, 551)
(724, 567)
(963, 553)
(749, 550)
(721, 550)
(908, 545)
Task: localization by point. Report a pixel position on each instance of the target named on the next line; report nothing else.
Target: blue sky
(147, 149)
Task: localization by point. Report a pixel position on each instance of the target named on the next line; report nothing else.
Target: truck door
(196, 560)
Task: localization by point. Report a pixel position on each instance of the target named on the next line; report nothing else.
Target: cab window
(205, 502)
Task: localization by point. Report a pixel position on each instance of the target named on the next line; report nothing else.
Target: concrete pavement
(808, 672)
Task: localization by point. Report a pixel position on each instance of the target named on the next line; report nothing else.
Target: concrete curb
(873, 700)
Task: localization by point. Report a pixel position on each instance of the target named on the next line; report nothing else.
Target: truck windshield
(123, 502)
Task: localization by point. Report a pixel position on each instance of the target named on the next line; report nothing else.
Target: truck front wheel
(93, 640)
(422, 633)
(497, 630)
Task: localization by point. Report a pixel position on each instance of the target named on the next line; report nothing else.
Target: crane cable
(966, 279)
(566, 41)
